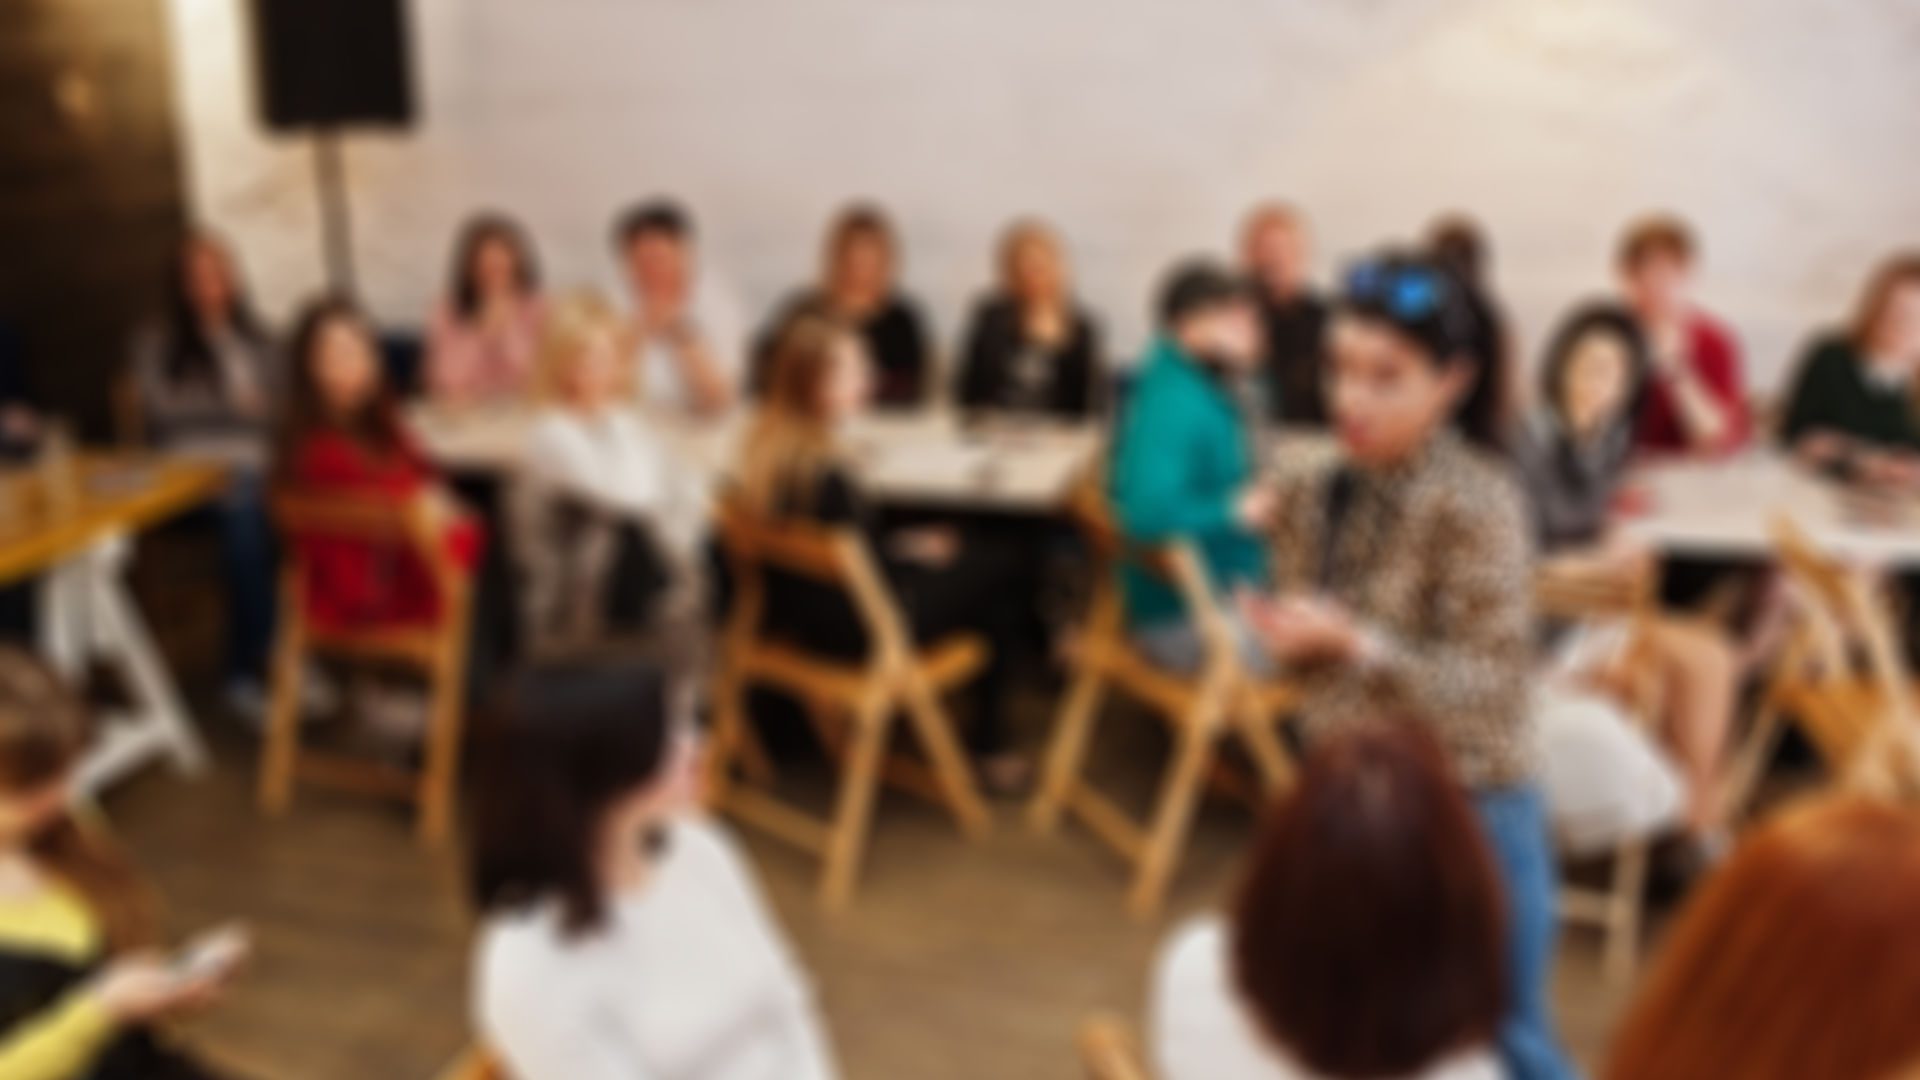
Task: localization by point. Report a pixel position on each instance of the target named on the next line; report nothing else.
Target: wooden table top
(118, 493)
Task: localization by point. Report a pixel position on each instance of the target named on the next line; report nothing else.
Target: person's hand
(1667, 347)
(1822, 448)
(931, 545)
(1255, 506)
(1046, 326)
(1888, 469)
(1303, 630)
(143, 986)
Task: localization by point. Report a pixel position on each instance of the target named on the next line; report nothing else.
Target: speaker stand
(336, 223)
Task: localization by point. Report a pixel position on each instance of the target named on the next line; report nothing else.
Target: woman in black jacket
(1031, 348)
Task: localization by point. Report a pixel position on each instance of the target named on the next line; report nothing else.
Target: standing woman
(485, 334)
(622, 933)
(1405, 588)
(1852, 409)
(859, 287)
(793, 466)
(210, 381)
(81, 986)
(1031, 348)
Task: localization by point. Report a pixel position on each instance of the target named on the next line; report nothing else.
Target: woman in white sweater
(1367, 940)
(623, 936)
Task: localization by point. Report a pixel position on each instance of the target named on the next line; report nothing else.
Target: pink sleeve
(453, 359)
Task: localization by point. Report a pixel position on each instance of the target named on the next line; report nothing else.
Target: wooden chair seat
(437, 651)
(853, 703)
(1220, 700)
(1839, 716)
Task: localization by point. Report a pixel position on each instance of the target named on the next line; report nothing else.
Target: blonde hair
(790, 440)
(1018, 236)
(572, 324)
(44, 730)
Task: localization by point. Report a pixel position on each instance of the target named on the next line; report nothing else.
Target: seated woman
(1404, 569)
(622, 932)
(81, 986)
(210, 379)
(609, 521)
(1365, 940)
(344, 436)
(1031, 348)
(1799, 958)
(1572, 452)
(483, 337)
(793, 466)
(1852, 409)
(859, 287)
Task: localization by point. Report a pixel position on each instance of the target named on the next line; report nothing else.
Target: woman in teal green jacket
(1183, 465)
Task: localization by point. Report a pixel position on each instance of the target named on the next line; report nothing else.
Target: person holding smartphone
(81, 980)
(1404, 572)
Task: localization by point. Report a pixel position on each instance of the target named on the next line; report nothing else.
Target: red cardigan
(1715, 359)
(354, 584)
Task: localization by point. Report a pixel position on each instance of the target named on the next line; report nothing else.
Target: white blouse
(611, 458)
(1200, 1032)
(690, 979)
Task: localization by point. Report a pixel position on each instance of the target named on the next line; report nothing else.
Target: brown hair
(376, 426)
(43, 731)
(1656, 234)
(1369, 933)
(789, 440)
(1899, 270)
(1018, 235)
(860, 221)
(570, 327)
(1800, 958)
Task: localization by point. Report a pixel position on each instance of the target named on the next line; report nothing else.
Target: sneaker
(319, 694)
(396, 716)
(247, 701)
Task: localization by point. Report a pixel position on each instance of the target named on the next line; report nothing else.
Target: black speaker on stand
(323, 66)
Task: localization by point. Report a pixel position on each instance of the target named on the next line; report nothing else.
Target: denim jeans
(1176, 646)
(247, 563)
(1515, 822)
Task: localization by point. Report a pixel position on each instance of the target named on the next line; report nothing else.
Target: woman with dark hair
(622, 933)
(1032, 348)
(344, 436)
(81, 986)
(794, 466)
(1404, 568)
(210, 380)
(1572, 453)
(1800, 957)
(1852, 410)
(483, 338)
(1366, 937)
(1460, 244)
(859, 287)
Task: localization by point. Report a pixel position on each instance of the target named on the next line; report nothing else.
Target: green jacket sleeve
(58, 1043)
(1150, 482)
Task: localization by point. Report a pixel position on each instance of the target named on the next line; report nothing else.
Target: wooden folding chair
(1109, 1051)
(1841, 676)
(439, 651)
(475, 1064)
(1221, 699)
(1618, 907)
(853, 703)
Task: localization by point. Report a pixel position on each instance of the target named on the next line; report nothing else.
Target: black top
(14, 389)
(1295, 351)
(1835, 393)
(1002, 369)
(895, 335)
(806, 610)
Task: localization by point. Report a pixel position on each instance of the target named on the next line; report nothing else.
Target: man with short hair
(689, 345)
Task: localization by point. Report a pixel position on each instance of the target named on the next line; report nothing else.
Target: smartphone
(213, 953)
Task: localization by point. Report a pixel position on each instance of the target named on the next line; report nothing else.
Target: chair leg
(949, 762)
(723, 741)
(1173, 813)
(1624, 911)
(439, 779)
(1750, 766)
(1067, 752)
(853, 812)
(281, 750)
(1270, 756)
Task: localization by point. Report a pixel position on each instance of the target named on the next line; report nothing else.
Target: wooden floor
(956, 961)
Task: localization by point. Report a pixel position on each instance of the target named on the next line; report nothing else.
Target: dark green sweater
(1833, 393)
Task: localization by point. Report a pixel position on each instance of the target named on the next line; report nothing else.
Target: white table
(79, 554)
(928, 458)
(1728, 509)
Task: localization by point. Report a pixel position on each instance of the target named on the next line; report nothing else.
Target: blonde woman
(1031, 347)
(608, 520)
(792, 466)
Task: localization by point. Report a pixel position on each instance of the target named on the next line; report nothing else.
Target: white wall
(1789, 130)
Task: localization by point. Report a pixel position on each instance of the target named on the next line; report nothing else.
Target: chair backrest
(1843, 617)
(831, 556)
(1108, 1051)
(374, 521)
